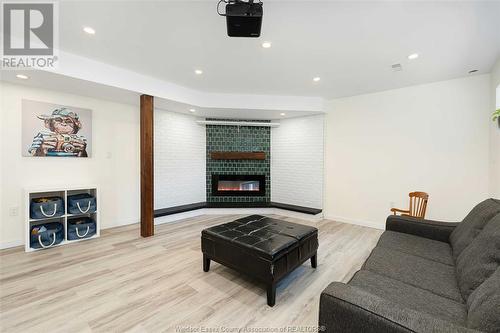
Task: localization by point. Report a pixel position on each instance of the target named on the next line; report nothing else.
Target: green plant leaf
(496, 115)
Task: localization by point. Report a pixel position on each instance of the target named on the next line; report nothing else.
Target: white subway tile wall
(297, 161)
(180, 162)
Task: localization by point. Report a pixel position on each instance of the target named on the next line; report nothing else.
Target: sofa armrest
(435, 230)
(344, 308)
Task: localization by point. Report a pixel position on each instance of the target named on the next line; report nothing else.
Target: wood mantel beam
(147, 171)
(238, 155)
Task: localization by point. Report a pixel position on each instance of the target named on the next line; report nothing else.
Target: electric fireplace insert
(239, 185)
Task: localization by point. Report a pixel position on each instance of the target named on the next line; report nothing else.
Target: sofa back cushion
(472, 225)
(480, 259)
(484, 305)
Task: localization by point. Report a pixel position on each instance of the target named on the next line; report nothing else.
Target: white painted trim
(8, 245)
(236, 123)
(179, 216)
(236, 211)
(83, 68)
(302, 216)
(363, 223)
(61, 188)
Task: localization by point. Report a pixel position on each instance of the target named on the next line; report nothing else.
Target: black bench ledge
(179, 209)
(200, 205)
(300, 209)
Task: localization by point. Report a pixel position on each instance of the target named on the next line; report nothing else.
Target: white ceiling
(350, 45)
(70, 85)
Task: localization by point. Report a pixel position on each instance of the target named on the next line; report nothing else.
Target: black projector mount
(243, 18)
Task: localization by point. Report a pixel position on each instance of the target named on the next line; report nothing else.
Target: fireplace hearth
(238, 185)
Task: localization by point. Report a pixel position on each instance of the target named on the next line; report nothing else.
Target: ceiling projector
(243, 18)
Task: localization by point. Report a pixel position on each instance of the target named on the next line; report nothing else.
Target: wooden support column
(147, 172)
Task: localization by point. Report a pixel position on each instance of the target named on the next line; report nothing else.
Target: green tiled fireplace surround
(238, 138)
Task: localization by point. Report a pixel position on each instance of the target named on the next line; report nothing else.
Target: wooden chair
(418, 205)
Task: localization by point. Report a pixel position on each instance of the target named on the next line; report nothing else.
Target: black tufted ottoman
(262, 247)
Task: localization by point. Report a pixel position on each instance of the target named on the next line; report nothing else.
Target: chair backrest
(418, 204)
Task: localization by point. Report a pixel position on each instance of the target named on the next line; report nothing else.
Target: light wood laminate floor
(122, 282)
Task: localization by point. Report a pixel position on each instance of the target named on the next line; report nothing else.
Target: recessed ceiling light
(89, 30)
(22, 76)
(192, 110)
(198, 71)
(413, 56)
(266, 45)
(282, 114)
(316, 79)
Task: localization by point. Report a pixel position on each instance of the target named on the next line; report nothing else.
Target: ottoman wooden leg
(271, 294)
(314, 261)
(206, 263)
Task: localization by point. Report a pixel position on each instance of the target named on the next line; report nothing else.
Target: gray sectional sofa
(424, 276)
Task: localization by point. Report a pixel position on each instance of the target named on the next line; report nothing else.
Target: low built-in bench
(200, 205)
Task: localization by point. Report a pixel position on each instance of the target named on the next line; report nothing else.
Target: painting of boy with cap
(59, 136)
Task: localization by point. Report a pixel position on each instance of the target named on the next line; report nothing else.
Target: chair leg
(314, 261)
(206, 263)
(271, 294)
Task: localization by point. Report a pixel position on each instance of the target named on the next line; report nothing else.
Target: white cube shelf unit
(64, 193)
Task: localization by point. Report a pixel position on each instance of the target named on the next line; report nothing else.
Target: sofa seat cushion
(432, 276)
(480, 259)
(418, 246)
(484, 305)
(410, 297)
(472, 225)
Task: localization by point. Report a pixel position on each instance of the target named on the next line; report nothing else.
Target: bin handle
(47, 246)
(85, 234)
(80, 208)
(49, 215)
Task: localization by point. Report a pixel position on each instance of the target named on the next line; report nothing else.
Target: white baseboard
(8, 245)
(303, 216)
(178, 216)
(237, 211)
(363, 223)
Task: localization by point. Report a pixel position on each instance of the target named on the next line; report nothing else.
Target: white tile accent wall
(180, 160)
(297, 161)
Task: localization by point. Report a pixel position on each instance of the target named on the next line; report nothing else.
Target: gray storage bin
(82, 227)
(46, 235)
(46, 207)
(82, 203)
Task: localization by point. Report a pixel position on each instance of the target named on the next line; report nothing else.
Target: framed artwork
(55, 130)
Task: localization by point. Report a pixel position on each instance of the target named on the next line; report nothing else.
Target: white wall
(495, 133)
(297, 161)
(432, 137)
(113, 166)
(180, 160)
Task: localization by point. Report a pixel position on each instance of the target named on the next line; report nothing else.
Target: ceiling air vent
(397, 67)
